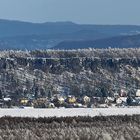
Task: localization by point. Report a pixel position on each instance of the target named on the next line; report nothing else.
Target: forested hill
(129, 41)
(20, 35)
(91, 72)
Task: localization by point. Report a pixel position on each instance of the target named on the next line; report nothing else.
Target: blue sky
(79, 11)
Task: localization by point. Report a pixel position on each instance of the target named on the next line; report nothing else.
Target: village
(121, 99)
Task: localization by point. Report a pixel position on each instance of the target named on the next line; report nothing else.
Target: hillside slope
(83, 72)
(131, 41)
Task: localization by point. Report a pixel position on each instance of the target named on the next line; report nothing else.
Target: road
(31, 112)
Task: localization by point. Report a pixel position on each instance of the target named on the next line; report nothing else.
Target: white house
(138, 93)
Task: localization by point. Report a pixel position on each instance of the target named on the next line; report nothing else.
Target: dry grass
(71, 128)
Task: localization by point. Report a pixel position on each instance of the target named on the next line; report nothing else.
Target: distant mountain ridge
(19, 28)
(21, 35)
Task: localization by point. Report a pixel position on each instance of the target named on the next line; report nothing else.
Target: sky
(78, 11)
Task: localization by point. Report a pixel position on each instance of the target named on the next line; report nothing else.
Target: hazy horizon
(107, 12)
(66, 21)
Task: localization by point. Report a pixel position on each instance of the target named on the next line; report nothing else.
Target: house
(58, 101)
(109, 100)
(51, 105)
(121, 101)
(24, 101)
(6, 99)
(61, 100)
(7, 102)
(40, 103)
(138, 93)
(71, 99)
(86, 100)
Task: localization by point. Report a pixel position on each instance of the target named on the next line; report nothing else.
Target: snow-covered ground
(30, 112)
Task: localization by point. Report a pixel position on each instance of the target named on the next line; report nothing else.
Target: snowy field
(31, 112)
